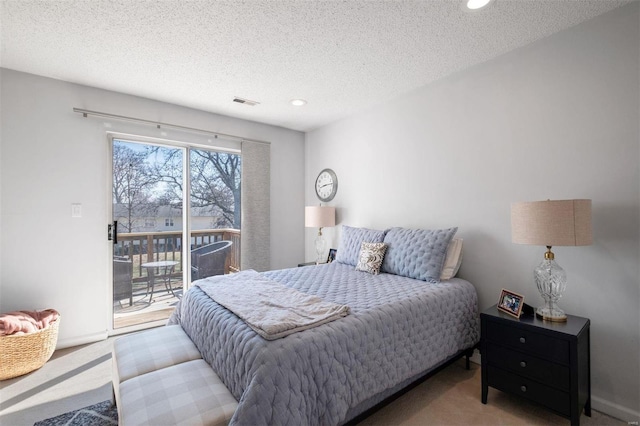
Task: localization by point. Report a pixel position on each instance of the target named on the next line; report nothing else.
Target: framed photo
(510, 303)
(332, 255)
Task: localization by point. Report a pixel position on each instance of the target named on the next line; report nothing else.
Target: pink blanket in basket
(23, 322)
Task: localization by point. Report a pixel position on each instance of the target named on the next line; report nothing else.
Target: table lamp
(319, 217)
(551, 223)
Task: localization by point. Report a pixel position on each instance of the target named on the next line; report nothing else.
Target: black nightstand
(545, 362)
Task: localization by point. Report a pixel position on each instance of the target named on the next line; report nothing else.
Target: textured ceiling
(341, 56)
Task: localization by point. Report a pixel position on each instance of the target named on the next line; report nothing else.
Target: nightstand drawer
(531, 342)
(532, 367)
(518, 385)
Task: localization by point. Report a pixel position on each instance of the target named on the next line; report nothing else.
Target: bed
(399, 328)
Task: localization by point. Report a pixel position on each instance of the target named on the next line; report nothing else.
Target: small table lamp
(319, 217)
(551, 223)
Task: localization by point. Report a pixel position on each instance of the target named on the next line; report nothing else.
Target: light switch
(76, 210)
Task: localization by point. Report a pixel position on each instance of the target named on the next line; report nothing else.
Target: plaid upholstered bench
(159, 377)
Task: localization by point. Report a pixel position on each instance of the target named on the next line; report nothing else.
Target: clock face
(326, 185)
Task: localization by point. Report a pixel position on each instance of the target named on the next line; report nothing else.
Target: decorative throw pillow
(371, 256)
(417, 253)
(351, 240)
(453, 259)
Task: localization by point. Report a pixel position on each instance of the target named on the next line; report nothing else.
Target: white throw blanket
(271, 309)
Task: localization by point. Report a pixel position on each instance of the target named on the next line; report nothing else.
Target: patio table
(167, 267)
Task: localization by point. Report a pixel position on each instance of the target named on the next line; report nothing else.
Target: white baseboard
(615, 410)
(81, 340)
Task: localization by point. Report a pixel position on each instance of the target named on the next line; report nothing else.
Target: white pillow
(452, 260)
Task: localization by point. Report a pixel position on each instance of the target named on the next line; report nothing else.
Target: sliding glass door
(164, 235)
(215, 212)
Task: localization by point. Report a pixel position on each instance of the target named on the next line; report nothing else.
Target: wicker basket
(21, 354)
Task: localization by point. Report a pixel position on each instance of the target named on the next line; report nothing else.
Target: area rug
(101, 414)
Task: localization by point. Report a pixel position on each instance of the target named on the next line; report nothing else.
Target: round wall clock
(326, 185)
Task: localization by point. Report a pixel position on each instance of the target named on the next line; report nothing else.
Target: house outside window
(168, 222)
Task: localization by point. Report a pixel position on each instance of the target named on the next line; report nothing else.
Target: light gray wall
(555, 120)
(52, 157)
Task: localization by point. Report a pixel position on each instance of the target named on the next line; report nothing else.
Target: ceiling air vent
(245, 101)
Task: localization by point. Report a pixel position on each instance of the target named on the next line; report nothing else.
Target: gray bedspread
(398, 328)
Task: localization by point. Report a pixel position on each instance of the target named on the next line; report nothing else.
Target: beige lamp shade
(319, 216)
(552, 223)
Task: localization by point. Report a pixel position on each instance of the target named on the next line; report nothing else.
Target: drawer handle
(523, 364)
(523, 340)
(523, 388)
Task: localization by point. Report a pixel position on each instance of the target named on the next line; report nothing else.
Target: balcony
(141, 248)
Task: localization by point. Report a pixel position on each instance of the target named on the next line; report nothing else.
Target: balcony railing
(143, 247)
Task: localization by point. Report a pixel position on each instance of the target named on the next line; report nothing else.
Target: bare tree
(167, 168)
(131, 184)
(147, 179)
(215, 182)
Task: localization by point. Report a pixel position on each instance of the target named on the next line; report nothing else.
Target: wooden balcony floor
(142, 310)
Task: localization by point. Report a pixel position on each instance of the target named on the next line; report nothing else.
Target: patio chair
(122, 279)
(209, 260)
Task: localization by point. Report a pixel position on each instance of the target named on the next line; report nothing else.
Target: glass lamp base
(551, 281)
(550, 314)
(320, 246)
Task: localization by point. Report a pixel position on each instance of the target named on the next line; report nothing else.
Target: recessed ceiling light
(477, 4)
(298, 102)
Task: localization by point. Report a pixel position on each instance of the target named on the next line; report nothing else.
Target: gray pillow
(351, 240)
(416, 253)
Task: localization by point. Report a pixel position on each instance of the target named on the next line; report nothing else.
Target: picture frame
(332, 255)
(510, 303)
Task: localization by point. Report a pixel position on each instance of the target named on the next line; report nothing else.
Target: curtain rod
(158, 124)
